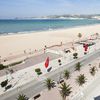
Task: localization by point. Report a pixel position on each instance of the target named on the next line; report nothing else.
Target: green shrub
(15, 63)
(2, 66)
(39, 73)
(91, 44)
(4, 83)
(38, 70)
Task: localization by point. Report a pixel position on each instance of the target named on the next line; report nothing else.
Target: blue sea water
(21, 26)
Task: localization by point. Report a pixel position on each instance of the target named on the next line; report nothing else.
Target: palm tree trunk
(64, 98)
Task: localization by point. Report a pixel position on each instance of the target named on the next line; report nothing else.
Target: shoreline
(49, 30)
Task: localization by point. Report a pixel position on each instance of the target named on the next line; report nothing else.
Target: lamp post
(6, 74)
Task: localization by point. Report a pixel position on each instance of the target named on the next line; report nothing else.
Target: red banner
(47, 62)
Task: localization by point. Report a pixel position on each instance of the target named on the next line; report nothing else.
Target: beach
(28, 46)
(18, 43)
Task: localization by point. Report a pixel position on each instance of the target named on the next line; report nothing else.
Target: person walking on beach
(24, 51)
(61, 43)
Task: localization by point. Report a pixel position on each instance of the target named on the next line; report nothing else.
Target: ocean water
(22, 26)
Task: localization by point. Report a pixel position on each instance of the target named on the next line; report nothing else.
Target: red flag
(47, 62)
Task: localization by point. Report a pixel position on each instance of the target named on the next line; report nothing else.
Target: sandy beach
(16, 44)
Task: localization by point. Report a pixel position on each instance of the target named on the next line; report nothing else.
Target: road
(36, 86)
(32, 61)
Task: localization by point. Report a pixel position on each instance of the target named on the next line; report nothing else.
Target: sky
(31, 8)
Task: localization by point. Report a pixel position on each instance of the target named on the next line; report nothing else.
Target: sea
(8, 27)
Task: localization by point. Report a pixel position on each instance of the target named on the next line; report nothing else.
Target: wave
(72, 18)
(10, 33)
(25, 32)
(50, 29)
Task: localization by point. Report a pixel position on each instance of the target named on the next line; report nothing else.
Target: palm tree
(66, 74)
(93, 70)
(81, 79)
(65, 90)
(49, 83)
(22, 97)
(78, 66)
(97, 35)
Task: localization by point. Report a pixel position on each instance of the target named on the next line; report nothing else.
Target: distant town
(66, 16)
